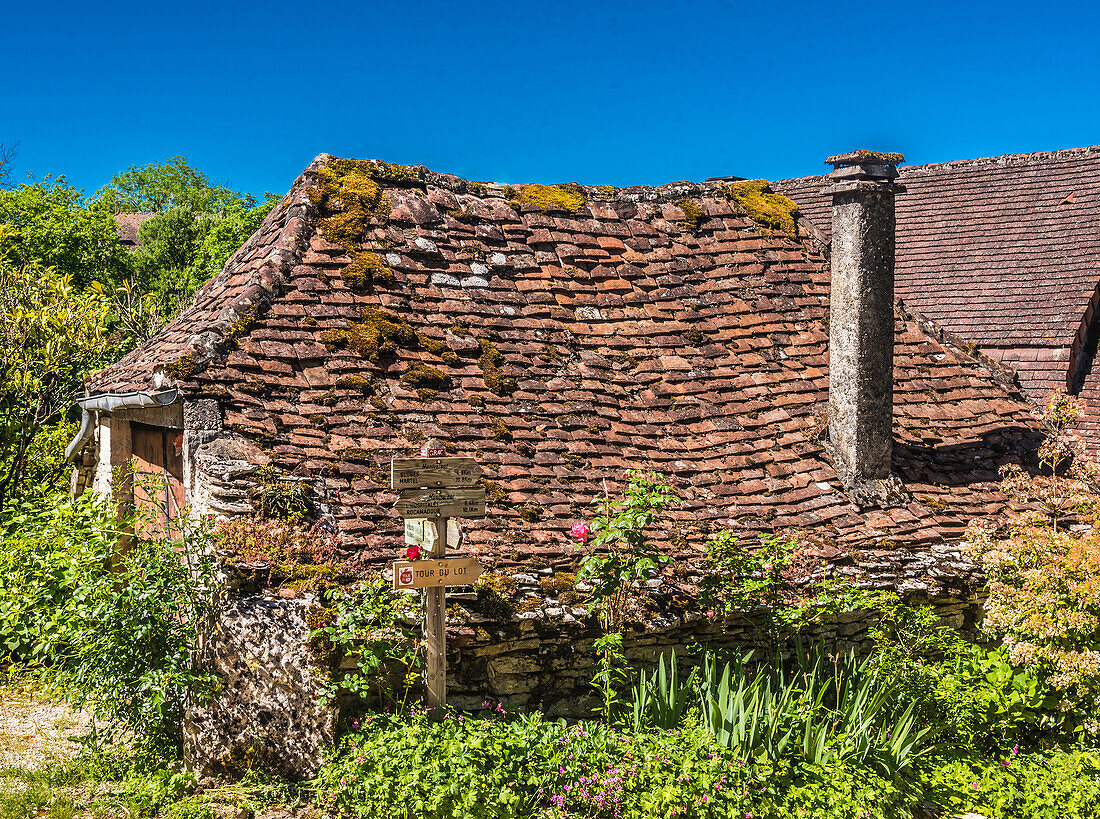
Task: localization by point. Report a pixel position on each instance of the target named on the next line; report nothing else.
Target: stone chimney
(861, 325)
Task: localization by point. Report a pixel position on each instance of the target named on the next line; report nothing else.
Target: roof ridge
(396, 175)
(1004, 375)
(239, 312)
(1062, 154)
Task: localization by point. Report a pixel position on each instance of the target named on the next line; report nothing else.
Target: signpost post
(432, 490)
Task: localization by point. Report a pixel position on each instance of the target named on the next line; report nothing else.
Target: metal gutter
(109, 402)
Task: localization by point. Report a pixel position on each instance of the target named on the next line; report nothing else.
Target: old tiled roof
(561, 348)
(127, 225)
(1004, 252)
(243, 288)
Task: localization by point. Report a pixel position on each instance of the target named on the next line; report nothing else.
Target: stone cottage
(1003, 252)
(560, 335)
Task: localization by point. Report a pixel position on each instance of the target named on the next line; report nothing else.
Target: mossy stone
(181, 369)
(366, 270)
(547, 198)
(357, 383)
(692, 214)
(490, 360)
(500, 430)
(422, 377)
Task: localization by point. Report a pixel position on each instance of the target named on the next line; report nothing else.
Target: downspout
(109, 402)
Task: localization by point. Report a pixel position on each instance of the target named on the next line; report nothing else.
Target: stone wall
(218, 464)
(529, 648)
(547, 665)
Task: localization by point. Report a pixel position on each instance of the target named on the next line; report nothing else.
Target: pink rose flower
(581, 531)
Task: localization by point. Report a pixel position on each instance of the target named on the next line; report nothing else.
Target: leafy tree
(161, 186)
(51, 335)
(7, 164)
(1044, 576)
(49, 225)
(196, 227)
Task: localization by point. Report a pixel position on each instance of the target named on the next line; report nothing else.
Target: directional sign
(422, 532)
(442, 503)
(433, 473)
(432, 574)
(440, 488)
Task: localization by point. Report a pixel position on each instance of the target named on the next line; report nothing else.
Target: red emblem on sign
(405, 576)
(433, 448)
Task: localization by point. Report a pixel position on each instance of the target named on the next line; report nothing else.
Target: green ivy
(372, 650)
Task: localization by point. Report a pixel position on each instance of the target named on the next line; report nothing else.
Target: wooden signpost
(433, 489)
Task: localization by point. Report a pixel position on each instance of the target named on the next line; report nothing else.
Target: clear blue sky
(598, 92)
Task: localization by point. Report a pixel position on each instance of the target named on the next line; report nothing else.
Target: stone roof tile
(710, 365)
(1002, 251)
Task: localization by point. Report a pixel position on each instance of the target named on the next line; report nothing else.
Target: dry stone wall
(526, 646)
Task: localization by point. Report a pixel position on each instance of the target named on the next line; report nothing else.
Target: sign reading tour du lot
(430, 574)
(433, 489)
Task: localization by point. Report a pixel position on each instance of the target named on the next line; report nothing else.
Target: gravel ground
(34, 731)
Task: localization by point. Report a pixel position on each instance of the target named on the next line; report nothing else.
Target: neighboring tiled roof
(1004, 252)
(630, 340)
(127, 225)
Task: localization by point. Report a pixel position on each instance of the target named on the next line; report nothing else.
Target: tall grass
(824, 709)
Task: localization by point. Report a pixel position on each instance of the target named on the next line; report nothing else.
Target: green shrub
(134, 642)
(48, 545)
(1049, 785)
(970, 696)
(469, 768)
(457, 767)
(119, 619)
(363, 635)
(189, 808)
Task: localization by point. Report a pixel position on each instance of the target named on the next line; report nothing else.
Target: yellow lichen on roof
(568, 198)
(759, 203)
(352, 199)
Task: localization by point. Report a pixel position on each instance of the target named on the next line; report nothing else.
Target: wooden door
(158, 476)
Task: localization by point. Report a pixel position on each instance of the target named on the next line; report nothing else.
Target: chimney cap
(863, 157)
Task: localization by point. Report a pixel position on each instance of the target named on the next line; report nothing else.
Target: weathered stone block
(266, 715)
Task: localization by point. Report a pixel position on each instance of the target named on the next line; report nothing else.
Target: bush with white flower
(1043, 565)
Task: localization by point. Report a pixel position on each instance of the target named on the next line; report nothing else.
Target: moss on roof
(759, 203)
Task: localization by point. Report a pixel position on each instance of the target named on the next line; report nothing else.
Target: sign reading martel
(433, 489)
(413, 473)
